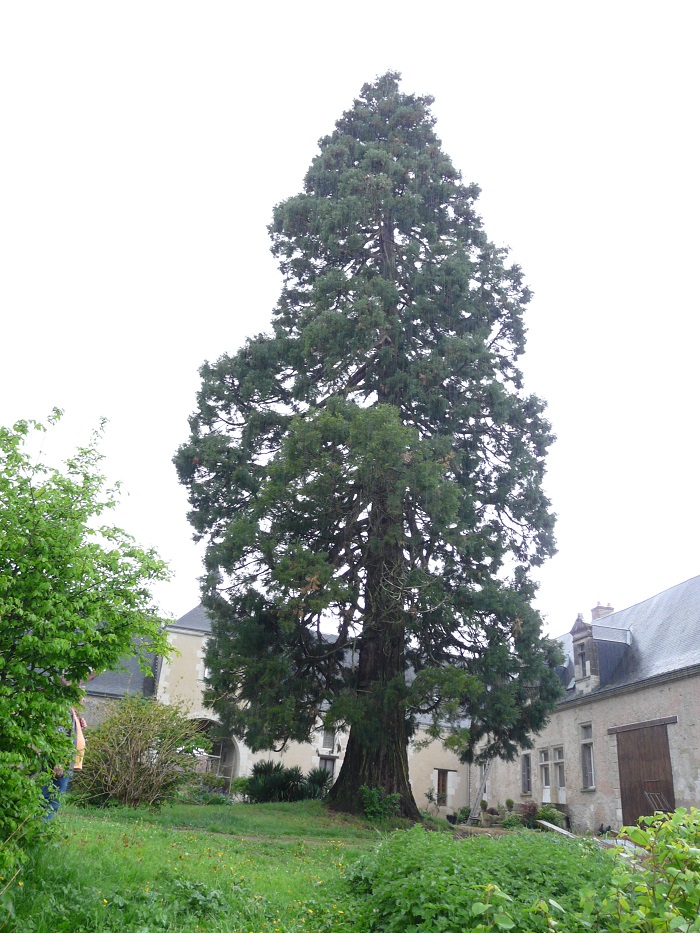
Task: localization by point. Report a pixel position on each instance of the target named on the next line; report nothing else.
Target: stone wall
(588, 809)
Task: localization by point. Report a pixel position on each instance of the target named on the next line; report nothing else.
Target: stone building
(625, 739)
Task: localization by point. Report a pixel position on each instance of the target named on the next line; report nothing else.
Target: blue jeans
(52, 794)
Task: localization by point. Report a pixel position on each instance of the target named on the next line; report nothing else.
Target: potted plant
(463, 814)
(484, 816)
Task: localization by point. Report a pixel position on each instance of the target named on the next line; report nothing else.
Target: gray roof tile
(119, 683)
(197, 618)
(663, 634)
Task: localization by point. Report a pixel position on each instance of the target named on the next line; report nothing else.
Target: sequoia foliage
(368, 476)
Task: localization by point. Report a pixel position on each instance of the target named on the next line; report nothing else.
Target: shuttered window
(526, 774)
(442, 787)
(327, 764)
(587, 769)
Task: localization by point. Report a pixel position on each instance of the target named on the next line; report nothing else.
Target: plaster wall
(182, 676)
(423, 764)
(296, 754)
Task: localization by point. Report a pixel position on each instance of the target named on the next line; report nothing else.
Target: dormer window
(581, 658)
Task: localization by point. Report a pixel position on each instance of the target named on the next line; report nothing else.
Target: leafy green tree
(373, 468)
(74, 596)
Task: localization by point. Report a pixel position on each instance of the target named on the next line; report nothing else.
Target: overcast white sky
(144, 145)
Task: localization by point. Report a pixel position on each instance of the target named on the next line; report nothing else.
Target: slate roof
(119, 683)
(658, 636)
(197, 619)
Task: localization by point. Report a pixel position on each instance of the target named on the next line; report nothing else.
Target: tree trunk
(377, 750)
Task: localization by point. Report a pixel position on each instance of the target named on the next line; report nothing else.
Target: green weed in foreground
(659, 892)
(378, 805)
(434, 883)
(115, 874)
(113, 871)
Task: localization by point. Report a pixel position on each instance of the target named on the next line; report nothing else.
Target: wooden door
(646, 779)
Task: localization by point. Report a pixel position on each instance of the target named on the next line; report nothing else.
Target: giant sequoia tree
(368, 476)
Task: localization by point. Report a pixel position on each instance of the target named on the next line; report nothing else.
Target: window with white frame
(544, 768)
(587, 769)
(559, 776)
(203, 672)
(526, 774)
(328, 740)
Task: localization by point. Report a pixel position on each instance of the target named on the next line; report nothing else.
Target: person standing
(61, 776)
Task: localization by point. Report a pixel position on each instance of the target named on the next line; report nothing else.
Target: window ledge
(588, 790)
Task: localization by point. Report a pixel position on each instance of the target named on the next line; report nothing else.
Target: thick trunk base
(385, 766)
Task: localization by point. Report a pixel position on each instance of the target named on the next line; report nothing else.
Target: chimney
(599, 612)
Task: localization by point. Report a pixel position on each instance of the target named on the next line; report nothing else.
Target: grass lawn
(226, 868)
(249, 868)
(287, 821)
